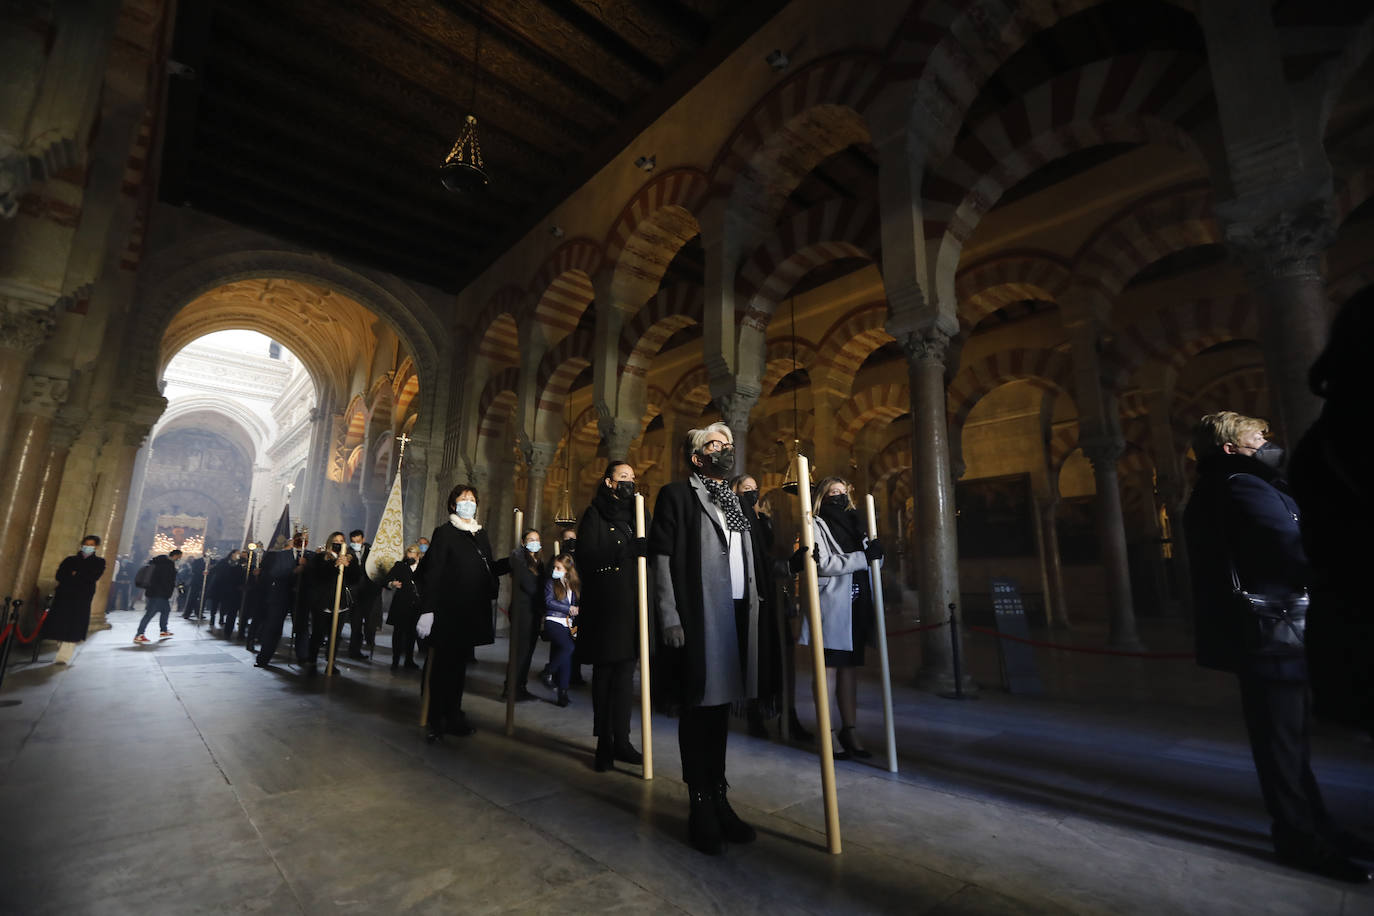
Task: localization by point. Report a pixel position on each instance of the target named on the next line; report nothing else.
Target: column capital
(1277, 242)
(618, 432)
(539, 456)
(23, 327)
(42, 395)
(67, 426)
(929, 345)
(735, 408)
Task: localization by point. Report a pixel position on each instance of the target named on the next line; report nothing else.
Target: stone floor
(177, 778)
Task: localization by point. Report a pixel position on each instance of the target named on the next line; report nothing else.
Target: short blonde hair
(1218, 429)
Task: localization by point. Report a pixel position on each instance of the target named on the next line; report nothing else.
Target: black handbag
(1270, 625)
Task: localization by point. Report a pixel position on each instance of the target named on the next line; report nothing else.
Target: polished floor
(177, 778)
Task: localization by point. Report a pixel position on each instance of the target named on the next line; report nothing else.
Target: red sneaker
(140, 639)
(165, 633)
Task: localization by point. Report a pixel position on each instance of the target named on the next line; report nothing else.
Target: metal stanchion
(958, 692)
(511, 661)
(11, 629)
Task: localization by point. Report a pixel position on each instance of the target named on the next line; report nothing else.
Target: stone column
(140, 477)
(64, 431)
(538, 456)
(619, 433)
(22, 330)
(1282, 253)
(38, 401)
(735, 408)
(937, 546)
(829, 459)
(1056, 603)
(675, 427)
(116, 468)
(1111, 535)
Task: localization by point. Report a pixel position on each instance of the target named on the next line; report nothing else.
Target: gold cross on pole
(404, 440)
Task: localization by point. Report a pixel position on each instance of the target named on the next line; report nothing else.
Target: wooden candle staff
(334, 622)
(515, 626)
(813, 611)
(875, 579)
(646, 726)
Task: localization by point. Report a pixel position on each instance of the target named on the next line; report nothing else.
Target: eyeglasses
(714, 446)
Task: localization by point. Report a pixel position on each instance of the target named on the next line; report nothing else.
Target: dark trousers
(701, 736)
(612, 694)
(273, 620)
(403, 643)
(561, 639)
(1278, 718)
(446, 681)
(359, 617)
(321, 628)
(527, 634)
(159, 606)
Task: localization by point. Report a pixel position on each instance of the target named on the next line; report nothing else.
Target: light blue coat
(836, 570)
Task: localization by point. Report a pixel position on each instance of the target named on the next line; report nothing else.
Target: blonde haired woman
(843, 552)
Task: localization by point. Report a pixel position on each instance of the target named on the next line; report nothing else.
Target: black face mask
(749, 498)
(569, 544)
(721, 462)
(1270, 455)
(625, 489)
(836, 502)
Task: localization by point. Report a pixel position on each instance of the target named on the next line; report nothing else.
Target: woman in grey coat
(843, 552)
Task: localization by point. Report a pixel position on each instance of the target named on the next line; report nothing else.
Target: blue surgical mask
(557, 574)
(533, 546)
(357, 548)
(87, 549)
(466, 509)
(424, 547)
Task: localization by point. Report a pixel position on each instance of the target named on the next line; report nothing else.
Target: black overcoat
(457, 580)
(1241, 510)
(608, 617)
(70, 616)
(526, 585)
(405, 601)
(679, 677)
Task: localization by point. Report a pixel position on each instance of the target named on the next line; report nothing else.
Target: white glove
(424, 625)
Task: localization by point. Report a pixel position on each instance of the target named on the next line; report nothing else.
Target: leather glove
(874, 550)
(795, 562)
(424, 625)
(673, 637)
(641, 547)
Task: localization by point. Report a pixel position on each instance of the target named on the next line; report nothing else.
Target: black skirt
(861, 621)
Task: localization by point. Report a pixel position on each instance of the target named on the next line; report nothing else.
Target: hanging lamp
(789, 482)
(462, 170)
(565, 516)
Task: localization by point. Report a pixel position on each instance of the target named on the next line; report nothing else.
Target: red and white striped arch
(851, 339)
(497, 336)
(672, 309)
(827, 232)
(1135, 98)
(1151, 229)
(1173, 335)
(1045, 369)
(683, 188)
(883, 403)
(892, 460)
(692, 392)
(559, 369)
(780, 358)
(1003, 279)
(562, 288)
(496, 402)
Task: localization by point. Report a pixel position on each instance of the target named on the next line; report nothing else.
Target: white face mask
(87, 549)
(357, 548)
(558, 574)
(532, 546)
(465, 508)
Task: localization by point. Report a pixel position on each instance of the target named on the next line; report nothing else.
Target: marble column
(64, 432)
(1111, 536)
(38, 401)
(829, 459)
(539, 456)
(1282, 254)
(675, 427)
(619, 433)
(116, 468)
(22, 330)
(937, 545)
(1056, 602)
(735, 408)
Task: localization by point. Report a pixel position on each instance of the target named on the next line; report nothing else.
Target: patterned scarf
(725, 498)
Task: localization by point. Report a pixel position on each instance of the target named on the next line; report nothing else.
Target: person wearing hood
(1242, 528)
(457, 580)
(608, 622)
(70, 615)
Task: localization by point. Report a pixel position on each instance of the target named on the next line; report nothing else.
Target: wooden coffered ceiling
(325, 121)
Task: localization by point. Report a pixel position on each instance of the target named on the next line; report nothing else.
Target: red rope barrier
(929, 626)
(1064, 648)
(6, 634)
(25, 640)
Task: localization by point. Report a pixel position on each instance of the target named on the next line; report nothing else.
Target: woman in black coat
(70, 615)
(608, 625)
(457, 582)
(405, 607)
(526, 606)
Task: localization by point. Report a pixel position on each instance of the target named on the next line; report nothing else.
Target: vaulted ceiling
(325, 121)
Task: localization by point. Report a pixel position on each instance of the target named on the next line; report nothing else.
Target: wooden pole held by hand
(424, 693)
(875, 581)
(813, 615)
(646, 726)
(334, 623)
(511, 663)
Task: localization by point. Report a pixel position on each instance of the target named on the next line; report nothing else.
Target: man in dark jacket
(159, 593)
(720, 647)
(364, 594)
(281, 571)
(70, 616)
(1242, 524)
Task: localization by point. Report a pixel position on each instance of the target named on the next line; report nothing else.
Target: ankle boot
(703, 823)
(563, 698)
(605, 755)
(625, 752)
(731, 827)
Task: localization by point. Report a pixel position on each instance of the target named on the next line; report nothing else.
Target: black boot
(731, 827)
(605, 755)
(703, 823)
(625, 752)
(563, 698)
